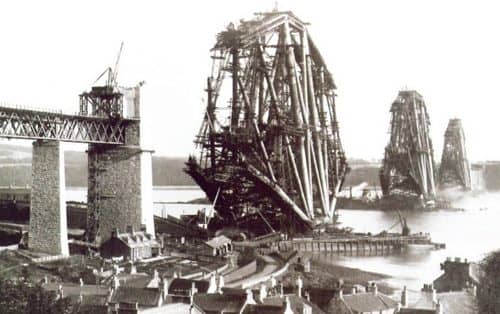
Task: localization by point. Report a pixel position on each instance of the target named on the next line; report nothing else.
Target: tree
(488, 293)
(25, 297)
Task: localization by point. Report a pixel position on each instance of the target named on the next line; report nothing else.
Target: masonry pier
(48, 226)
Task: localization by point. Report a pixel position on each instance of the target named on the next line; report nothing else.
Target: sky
(449, 51)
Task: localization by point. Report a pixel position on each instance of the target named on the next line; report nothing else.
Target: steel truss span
(455, 168)
(270, 153)
(408, 165)
(33, 124)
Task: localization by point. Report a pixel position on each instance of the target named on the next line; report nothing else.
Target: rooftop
(362, 302)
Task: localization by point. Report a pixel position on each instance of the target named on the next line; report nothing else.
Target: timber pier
(359, 244)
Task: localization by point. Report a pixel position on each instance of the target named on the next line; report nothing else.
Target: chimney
(262, 293)
(438, 308)
(133, 269)
(273, 282)
(288, 307)
(300, 284)
(281, 290)
(116, 282)
(114, 232)
(220, 284)
(307, 296)
(129, 229)
(60, 292)
(474, 290)
(250, 299)
(374, 288)
(434, 295)
(212, 287)
(156, 276)
(192, 292)
(165, 288)
(307, 266)
(306, 309)
(404, 297)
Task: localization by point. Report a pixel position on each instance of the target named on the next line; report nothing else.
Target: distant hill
(15, 168)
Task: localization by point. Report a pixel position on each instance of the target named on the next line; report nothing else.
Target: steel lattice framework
(455, 169)
(34, 124)
(275, 152)
(408, 165)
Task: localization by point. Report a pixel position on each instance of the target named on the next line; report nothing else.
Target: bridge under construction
(408, 172)
(270, 155)
(455, 168)
(119, 170)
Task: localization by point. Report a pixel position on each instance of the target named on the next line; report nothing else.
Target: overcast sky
(449, 51)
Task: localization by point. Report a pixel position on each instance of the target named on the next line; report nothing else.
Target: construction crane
(104, 101)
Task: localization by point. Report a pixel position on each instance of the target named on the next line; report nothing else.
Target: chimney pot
(130, 229)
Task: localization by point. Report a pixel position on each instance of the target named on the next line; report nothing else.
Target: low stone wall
(50, 258)
(241, 272)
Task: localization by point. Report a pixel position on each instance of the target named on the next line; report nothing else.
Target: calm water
(468, 234)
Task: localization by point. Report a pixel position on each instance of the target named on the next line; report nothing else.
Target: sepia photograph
(250, 157)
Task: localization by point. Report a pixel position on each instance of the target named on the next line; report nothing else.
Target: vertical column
(48, 223)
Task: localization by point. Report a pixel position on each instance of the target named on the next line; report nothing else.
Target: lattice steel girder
(33, 124)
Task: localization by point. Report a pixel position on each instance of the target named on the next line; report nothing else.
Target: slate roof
(219, 303)
(138, 239)
(134, 280)
(263, 309)
(179, 284)
(218, 241)
(362, 302)
(145, 297)
(296, 303)
(460, 302)
(72, 289)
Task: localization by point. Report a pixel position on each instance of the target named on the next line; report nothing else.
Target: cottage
(215, 303)
(219, 246)
(431, 302)
(458, 275)
(364, 302)
(131, 245)
(180, 290)
(91, 298)
(141, 298)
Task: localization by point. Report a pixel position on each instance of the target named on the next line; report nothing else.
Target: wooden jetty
(373, 245)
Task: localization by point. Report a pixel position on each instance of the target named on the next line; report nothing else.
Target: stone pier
(120, 188)
(48, 223)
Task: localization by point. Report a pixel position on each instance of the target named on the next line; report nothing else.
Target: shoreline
(325, 275)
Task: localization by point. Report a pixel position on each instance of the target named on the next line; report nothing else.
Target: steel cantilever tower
(270, 152)
(455, 169)
(408, 165)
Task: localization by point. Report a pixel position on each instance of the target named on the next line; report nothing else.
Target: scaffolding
(455, 169)
(275, 151)
(408, 165)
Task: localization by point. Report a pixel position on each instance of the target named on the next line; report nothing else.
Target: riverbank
(326, 275)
